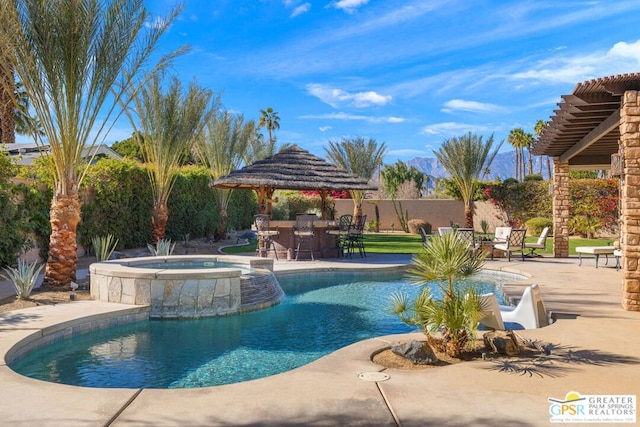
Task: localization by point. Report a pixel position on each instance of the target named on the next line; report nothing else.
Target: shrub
(415, 224)
(535, 225)
(23, 277)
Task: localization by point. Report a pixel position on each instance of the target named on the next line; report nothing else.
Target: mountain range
(503, 166)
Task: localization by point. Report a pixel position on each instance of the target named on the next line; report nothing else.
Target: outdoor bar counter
(324, 244)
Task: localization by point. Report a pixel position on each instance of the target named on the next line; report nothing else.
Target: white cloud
(324, 128)
(471, 106)
(303, 8)
(345, 116)
(622, 58)
(453, 128)
(349, 6)
(336, 97)
(156, 22)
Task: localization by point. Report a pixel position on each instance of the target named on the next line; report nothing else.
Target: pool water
(320, 314)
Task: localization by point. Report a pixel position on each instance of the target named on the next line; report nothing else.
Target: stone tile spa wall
(177, 291)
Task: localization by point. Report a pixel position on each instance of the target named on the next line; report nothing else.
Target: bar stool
(355, 237)
(265, 235)
(304, 234)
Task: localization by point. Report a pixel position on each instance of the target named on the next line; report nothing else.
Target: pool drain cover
(373, 376)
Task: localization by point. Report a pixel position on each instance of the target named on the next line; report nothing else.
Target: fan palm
(222, 147)
(358, 158)
(444, 260)
(467, 159)
(76, 60)
(170, 123)
(270, 120)
(7, 102)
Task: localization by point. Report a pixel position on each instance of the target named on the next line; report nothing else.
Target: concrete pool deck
(596, 351)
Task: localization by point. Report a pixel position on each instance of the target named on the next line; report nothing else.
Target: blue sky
(408, 73)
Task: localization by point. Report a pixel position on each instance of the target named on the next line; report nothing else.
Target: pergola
(597, 127)
(291, 169)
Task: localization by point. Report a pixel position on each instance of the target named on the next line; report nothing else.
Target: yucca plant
(103, 246)
(23, 277)
(162, 248)
(455, 315)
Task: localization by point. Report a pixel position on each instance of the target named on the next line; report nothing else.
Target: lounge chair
(424, 236)
(541, 243)
(490, 315)
(514, 243)
(530, 311)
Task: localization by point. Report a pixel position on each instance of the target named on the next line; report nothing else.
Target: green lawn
(401, 243)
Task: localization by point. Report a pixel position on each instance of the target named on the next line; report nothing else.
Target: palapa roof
(293, 169)
(586, 128)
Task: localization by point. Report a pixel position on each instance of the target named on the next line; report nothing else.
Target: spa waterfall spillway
(188, 286)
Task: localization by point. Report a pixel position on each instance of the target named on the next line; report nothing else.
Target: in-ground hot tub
(180, 286)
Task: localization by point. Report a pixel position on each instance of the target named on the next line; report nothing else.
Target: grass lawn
(402, 243)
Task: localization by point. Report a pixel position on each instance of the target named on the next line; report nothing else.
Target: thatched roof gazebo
(291, 169)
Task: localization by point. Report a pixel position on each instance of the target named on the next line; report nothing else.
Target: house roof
(27, 153)
(293, 169)
(586, 128)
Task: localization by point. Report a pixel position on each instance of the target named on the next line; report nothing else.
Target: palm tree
(270, 120)
(444, 260)
(170, 124)
(7, 104)
(358, 158)
(467, 159)
(538, 129)
(517, 139)
(222, 148)
(76, 60)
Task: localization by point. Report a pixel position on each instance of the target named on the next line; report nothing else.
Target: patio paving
(596, 352)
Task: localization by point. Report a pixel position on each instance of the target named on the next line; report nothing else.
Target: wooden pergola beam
(609, 124)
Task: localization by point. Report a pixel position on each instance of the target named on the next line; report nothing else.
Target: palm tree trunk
(549, 167)
(63, 257)
(468, 214)
(224, 218)
(7, 110)
(159, 218)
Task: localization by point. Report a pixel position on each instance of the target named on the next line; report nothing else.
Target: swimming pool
(321, 313)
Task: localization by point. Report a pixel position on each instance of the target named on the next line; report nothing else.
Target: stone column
(560, 208)
(630, 199)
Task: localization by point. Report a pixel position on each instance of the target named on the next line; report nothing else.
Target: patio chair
(501, 234)
(344, 227)
(355, 236)
(530, 311)
(424, 236)
(467, 235)
(541, 243)
(514, 243)
(444, 230)
(265, 236)
(304, 234)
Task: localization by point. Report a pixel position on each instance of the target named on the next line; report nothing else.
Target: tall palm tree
(270, 120)
(76, 60)
(359, 158)
(222, 147)
(538, 129)
(170, 123)
(7, 104)
(467, 159)
(517, 139)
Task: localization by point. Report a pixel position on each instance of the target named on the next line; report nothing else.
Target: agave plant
(449, 322)
(23, 277)
(162, 248)
(103, 246)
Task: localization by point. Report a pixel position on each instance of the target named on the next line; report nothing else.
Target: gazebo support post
(561, 204)
(323, 203)
(630, 198)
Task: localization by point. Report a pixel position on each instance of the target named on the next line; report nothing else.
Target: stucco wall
(437, 212)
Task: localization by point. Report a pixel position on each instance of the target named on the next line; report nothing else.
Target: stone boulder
(502, 342)
(418, 352)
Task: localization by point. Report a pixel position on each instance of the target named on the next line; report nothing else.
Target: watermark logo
(606, 408)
